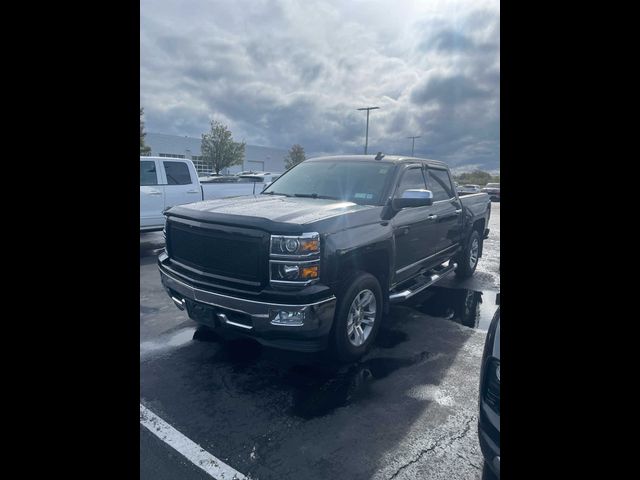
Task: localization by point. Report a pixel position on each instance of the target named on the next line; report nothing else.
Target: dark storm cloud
(456, 89)
(448, 40)
(284, 72)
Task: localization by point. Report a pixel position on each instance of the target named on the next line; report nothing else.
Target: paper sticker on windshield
(364, 196)
(383, 170)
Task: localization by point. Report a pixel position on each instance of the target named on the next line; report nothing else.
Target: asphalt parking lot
(407, 410)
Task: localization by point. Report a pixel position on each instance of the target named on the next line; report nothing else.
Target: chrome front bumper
(256, 315)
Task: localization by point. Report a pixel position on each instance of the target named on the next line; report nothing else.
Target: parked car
(314, 260)
(465, 189)
(167, 182)
(489, 417)
(219, 179)
(493, 190)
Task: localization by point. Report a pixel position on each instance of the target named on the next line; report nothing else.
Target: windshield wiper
(315, 195)
(274, 193)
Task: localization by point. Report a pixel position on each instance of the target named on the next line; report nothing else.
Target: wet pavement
(408, 409)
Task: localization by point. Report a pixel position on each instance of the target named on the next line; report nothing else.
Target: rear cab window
(177, 173)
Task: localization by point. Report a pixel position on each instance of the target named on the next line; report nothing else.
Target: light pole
(366, 138)
(413, 143)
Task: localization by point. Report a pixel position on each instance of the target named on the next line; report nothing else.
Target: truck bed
(477, 203)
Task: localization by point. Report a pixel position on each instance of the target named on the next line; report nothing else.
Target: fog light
(289, 318)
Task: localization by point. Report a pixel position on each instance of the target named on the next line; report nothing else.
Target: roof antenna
(379, 156)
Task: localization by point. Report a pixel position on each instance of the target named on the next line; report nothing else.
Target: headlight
(307, 244)
(291, 245)
(294, 260)
(291, 272)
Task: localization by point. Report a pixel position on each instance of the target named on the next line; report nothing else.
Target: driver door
(413, 228)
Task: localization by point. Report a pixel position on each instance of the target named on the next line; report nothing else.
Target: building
(260, 159)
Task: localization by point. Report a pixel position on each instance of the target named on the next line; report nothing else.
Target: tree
(145, 150)
(294, 157)
(476, 178)
(218, 148)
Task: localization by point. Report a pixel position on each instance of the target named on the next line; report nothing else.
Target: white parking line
(190, 450)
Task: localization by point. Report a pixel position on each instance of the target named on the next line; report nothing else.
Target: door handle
(432, 217)
(193, 191)
(155, 192)
(458, 211)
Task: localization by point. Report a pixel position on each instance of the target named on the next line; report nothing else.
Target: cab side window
(440, 184)
(148, 175)
(411, 179)
(177, 173)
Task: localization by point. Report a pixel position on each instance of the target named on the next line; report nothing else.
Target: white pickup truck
(167, 182)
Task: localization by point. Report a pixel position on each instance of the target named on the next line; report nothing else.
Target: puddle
(389, 338)
(470, 308)
(317, 387)
(319, 393)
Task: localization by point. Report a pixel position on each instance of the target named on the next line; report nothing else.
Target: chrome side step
(410, 292)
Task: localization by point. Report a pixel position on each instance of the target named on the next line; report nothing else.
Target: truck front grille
(219, 252)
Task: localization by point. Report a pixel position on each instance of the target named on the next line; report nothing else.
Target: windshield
(493, 185)
(354, 181)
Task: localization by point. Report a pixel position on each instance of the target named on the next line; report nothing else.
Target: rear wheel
(468, 259)
(358, 317)
(487, 473)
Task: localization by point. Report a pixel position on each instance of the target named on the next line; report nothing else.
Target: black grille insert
(224, 252)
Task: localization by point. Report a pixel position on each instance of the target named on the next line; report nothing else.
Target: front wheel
(358, 318)
(468, 259)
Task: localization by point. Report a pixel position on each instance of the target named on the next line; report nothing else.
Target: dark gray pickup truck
(315, 259)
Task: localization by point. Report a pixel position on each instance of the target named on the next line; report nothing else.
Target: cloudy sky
(280, 72)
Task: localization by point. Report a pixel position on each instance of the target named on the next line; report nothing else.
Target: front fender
(367, 248)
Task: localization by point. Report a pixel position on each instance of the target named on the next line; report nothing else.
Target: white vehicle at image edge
(166, 182)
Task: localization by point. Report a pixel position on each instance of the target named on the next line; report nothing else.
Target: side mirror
(413, 198)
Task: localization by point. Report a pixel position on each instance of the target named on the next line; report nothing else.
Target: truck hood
(272, 212)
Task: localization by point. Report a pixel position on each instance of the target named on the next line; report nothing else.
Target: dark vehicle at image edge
(315, 259)
(489, 401)
(493, 190)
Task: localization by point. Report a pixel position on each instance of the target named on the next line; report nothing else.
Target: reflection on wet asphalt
(470, 308)
(319, 386)
(320, 392)
(390, 338)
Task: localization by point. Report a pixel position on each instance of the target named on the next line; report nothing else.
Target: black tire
(466, 266)
(342, 346)
(487, 473)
